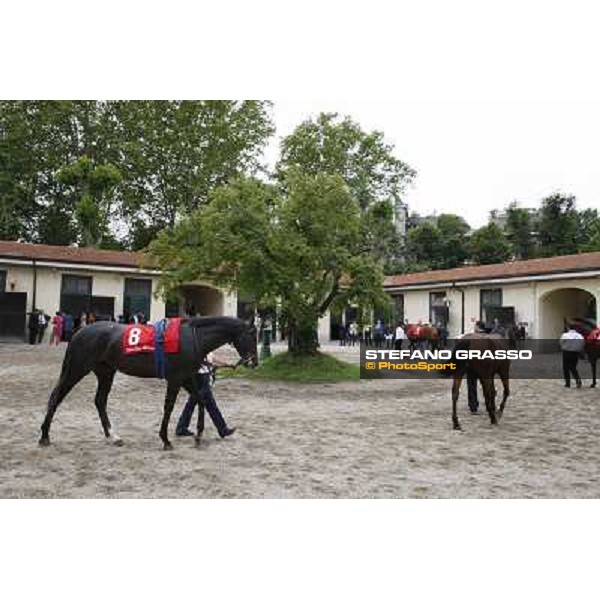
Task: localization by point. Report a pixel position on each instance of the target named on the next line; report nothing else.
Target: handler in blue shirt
(204, 380)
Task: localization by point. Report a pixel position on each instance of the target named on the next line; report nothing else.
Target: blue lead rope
(159, 348)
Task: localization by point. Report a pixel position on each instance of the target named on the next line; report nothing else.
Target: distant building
(500, 217)
(400, 217)
(106, 282)
(541, 292)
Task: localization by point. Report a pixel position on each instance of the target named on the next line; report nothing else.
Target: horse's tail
(461, 363)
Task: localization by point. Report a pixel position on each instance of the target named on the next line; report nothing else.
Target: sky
(488, 106)
(489, 102)
(475, 154)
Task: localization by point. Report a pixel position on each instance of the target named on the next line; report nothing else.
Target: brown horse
(484, 369)
(426, 334)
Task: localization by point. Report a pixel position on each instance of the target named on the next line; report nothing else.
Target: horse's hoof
(498, 416)
(593, 385)
(118, 442)
(44, 442)
(457, 427)
(197, 441)
(168, 446)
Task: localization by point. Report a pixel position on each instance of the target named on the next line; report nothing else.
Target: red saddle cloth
(593, 337)
(142, 338)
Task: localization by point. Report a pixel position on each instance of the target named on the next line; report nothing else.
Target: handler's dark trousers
(570, 367)
(33, 334)
(472, 390)
(203, 382)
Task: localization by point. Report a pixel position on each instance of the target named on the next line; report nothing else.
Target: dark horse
(484, 369)
(98, 348)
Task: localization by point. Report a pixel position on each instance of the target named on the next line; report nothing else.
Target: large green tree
(299, 245)
(92, 188)
(453, 232)
(489, 245)
(175, 152)
(424, 246)
(557, 225)
(519, 231)
(170, 155)
(588, 230)
(437, 243)
(336, 145)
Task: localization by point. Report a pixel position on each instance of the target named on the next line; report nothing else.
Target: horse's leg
(455, 392)
(191, 386)
(105, 377)
(489, 394)
(66, 383)
(593, 359)
(171, 396)
(504, 376)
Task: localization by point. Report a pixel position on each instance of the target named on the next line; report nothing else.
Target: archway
(202, 300)
(564, 304)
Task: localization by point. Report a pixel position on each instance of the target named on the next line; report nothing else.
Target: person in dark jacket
(68, 327)
(33, 324)
(44, 319)
(204, 380)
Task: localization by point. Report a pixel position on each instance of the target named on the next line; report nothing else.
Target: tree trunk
(303, 337)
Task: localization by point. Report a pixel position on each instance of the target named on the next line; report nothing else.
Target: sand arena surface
(362, 439)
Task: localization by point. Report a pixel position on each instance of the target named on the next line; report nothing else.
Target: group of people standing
(377, 335)
(63, 325)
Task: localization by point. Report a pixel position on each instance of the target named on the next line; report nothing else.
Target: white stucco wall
(534, 303)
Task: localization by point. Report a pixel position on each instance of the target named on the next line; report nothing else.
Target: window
(438, 308)
(75, 294)
(2, 281)
(137, 297)
(488, 299)
(75, 285)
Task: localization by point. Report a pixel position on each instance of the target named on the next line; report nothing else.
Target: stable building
(106, 282)
(540, 293)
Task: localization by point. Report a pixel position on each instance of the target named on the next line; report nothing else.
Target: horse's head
(245, 344)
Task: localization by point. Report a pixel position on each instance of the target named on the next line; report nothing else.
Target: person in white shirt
(399, 336)
(572, 344)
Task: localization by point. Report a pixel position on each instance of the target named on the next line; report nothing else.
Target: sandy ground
(362, 439)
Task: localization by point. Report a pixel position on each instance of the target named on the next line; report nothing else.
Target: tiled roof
(71, 254)
(519, 268)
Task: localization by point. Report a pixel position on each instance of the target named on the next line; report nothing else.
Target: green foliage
(176, 152)
(335, 145)
(442, 245)
(588, 230)
(170, 154)
(453, 233)
(300, 246)
(92, 189)
(519, 232)
(424, 245)
(489, 245)
(312, 368)
(557, 225)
